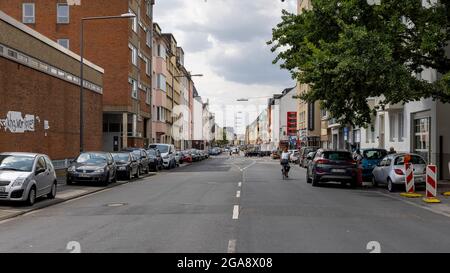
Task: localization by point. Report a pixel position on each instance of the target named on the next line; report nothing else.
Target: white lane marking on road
(253, 163)
(240, 184)
(231, 246)
(238, 194)
(236, 212)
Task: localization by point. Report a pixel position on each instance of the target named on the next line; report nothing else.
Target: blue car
(370, 159)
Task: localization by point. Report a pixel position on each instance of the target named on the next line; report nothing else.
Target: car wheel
(106, 181)
(138, 173)
(314, 181)
(31, 197)
(374, 182)
(390, 185)
(52, 193)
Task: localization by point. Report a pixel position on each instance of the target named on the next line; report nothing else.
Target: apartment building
(121, 46)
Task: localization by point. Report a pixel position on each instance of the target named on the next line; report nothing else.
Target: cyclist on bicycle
(284, 161)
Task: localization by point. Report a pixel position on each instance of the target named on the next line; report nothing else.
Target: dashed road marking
(231, 246)
(240, 184)
(236, 212)
(238, 194)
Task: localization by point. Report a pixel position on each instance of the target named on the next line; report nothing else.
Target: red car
(186, 157)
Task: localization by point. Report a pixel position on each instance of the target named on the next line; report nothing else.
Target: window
(161, 82)
(160, 114)
(161, 51)
(401, 128)
(62, 13)
(149, 38)
(148, 96)
(134, 88)
(134, 24)
(64, 43)
(392, 127)
(40, 164)
(28, 13)
(149, 8)
(148, 66)
(134, 54)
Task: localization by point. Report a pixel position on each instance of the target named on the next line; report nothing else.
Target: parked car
(95, 167)
(187, 157)
(309, 158)
(26, 176)
(127, 165)
(370, 158)
(332, 165)
(391, 171)
(156, 161)
(275, 155)
(179, 157)
(167, 153)
(304, 151)
(195, 155)
(295, 156)
(142, 159)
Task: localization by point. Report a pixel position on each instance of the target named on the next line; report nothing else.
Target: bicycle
(285, 170)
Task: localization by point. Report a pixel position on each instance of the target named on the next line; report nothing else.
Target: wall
(28, 91)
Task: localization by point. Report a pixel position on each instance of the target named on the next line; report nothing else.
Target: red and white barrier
(431, 187)
(409, 178)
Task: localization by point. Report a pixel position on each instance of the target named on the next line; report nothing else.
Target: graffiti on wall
(16, 123)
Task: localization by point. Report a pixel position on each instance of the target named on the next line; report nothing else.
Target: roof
(21, 154)
(9, 20)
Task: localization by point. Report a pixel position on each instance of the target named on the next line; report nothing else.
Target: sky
(225, 40)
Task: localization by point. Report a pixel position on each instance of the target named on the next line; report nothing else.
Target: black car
(127, 165)
(332, 165)
(156, 162)
(142, 159)
(97, 167)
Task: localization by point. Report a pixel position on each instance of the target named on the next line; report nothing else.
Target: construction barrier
(431, 185)
(409, 181)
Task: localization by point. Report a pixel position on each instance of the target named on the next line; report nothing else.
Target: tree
(349, 51)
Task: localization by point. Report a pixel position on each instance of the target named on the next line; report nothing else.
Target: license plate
(338, 171)
(83, 175)
(2, 189)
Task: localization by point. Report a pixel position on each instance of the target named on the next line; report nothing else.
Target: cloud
(226, 41)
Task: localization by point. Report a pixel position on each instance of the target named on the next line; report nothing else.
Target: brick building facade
(121, 46)
(40, 95)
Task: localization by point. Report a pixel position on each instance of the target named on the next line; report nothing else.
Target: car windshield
(137, 153)
(151, 152)
(161, 148)
(374, 154)
(16, 163)
(121, 156)
(91, 158)
(337, 155)
(415, 159)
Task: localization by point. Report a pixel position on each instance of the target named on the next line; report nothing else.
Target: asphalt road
(229, 205)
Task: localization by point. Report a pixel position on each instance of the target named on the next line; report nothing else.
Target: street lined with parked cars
(24, 177)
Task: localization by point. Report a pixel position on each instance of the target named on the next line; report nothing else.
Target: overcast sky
(226, 41)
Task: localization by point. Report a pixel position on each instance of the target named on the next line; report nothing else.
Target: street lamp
(122, 16)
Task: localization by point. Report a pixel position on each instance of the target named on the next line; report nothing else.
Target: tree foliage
(349, 51)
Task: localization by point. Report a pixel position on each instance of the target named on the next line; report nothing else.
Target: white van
(167, 153)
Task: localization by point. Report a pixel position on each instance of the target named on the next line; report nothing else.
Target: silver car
(26, 176)
(391, 171)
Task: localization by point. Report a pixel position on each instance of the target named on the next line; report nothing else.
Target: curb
(58, 201)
